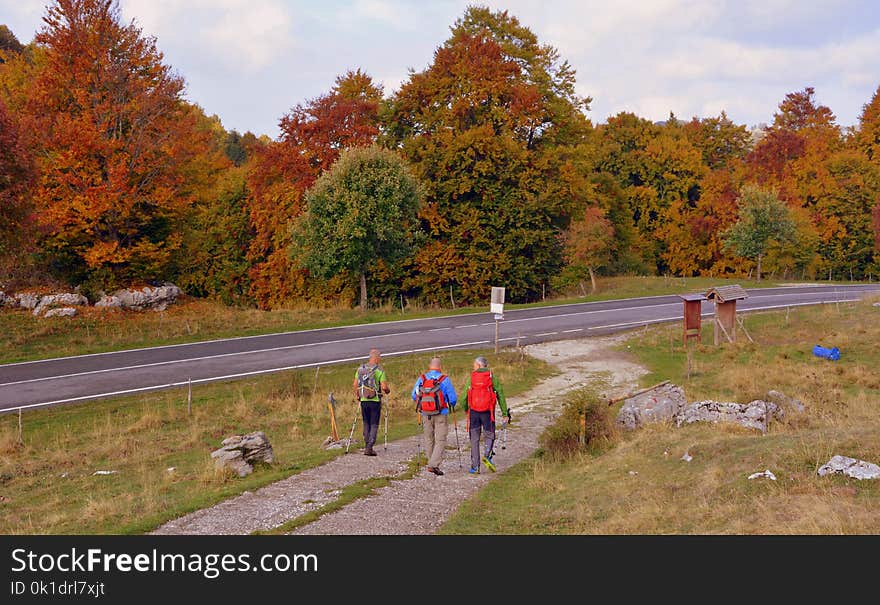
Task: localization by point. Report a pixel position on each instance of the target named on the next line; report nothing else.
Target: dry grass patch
(48, 484)
(641, 485)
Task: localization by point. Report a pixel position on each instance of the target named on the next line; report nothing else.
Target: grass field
(24, 337)
(640, 485)
(48, 484)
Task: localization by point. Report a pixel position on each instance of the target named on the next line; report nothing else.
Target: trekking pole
(419, 440)
(386, 427)
(457, 446)
(351, 434)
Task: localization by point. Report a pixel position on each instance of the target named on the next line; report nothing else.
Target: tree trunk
(363, 291)
(759, 268)
(583, 289)
(592, 280)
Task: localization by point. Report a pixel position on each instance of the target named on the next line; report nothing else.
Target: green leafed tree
(361, 211)
(763, 219)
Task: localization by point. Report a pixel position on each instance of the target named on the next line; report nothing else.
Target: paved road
(72, 379)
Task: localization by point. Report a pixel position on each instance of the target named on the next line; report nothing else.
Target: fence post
(189, 397)
(20, 440)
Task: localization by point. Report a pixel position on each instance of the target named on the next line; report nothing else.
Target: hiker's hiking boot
(474, 470)
(488, 462)
(435, 470)
(369, 451)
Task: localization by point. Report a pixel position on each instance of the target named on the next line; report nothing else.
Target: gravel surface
(422, 504)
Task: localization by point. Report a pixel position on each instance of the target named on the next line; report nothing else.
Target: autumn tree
(867, 141)
(8, 42)
(867, 137)
(588, 243)
(312, 137)
(482, 127)
(763, 218)
(113, 138)
(658, 169)
(16, 180)
(359, 212)
(692, 235)
(718, 139)
(213, 261)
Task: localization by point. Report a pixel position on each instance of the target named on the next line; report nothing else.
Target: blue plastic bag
(833, 354)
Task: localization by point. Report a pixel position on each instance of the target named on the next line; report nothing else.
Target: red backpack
(430, 398)
(481, 395)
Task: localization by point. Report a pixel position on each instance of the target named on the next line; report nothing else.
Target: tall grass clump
(585, 424)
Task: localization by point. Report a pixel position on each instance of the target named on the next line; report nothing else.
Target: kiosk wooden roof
(723, 294)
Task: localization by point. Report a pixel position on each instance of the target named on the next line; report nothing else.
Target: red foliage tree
(312, 137)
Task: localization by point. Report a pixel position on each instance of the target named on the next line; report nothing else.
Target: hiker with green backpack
(369, 385)
(482, 394)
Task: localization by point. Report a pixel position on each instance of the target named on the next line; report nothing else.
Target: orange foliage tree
(112, 137)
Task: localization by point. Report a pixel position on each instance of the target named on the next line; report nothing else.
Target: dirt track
(419, 505)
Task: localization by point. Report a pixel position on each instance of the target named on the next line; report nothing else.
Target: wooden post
(401, 305)
(20, 439)
(688, 347)
(334, 430)
(315, 387)
(582, 434)
(450, 296)
(189, 397)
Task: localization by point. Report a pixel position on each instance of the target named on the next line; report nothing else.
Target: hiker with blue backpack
(434, 396)
(370, 383)
(482, 394)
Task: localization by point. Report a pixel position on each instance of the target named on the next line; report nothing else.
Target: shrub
(586, 423)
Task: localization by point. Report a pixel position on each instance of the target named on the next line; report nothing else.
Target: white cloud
(245, 35)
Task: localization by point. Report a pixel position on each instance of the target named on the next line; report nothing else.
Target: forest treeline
(109, 176)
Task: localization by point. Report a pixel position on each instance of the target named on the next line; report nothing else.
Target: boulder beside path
(240, 452)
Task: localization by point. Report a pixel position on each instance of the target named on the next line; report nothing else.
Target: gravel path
(404, 506)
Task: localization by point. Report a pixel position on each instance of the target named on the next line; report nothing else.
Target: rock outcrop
(51, 301)
(61, 312)
(663, 403)
(843, 465)
(27, 300)
(753, 415)
(240, 452)
(157, 298)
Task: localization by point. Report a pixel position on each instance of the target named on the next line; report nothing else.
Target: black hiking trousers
(371, 412)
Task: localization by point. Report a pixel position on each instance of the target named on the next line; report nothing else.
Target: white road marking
(575, 330)
(174, 361)
(233, 376)
(868, 288)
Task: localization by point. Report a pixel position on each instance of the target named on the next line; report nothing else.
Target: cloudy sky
(250, 61)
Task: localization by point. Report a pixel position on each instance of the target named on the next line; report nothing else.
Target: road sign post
(496, 306)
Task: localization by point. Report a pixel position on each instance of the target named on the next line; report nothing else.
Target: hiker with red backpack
(369, 385)
(435, 397)
(482, 394)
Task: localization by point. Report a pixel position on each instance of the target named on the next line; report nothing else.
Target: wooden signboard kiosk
(725, 298)
(692, 316)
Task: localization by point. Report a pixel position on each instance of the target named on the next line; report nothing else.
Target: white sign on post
(496, 305)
